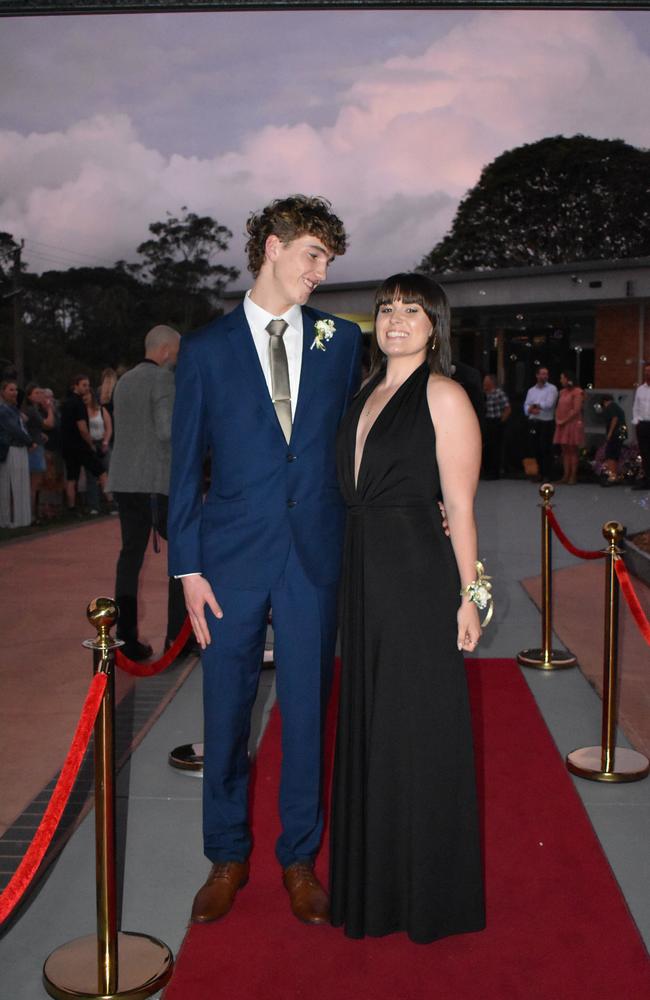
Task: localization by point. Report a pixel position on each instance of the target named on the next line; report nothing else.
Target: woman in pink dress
(569, 426)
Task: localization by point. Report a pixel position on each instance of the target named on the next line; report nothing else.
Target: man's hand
(198, 593)
(443, 514)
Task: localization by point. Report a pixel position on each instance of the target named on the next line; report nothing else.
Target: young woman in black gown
(405, 850)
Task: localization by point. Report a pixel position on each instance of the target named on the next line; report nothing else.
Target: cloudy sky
(107, 123)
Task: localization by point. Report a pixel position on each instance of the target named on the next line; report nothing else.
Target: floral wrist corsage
(479, 592)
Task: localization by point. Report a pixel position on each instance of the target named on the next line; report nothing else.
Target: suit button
(291, 503)
(291, 458)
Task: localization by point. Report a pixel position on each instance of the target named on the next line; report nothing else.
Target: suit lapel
(243, 349)
(309, 369)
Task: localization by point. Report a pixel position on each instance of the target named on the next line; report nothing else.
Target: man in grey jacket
(139, 479)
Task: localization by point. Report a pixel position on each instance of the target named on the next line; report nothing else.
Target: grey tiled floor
(160, 809)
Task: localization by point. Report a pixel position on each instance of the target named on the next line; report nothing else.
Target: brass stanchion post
(545, 657)
(108, 965)
(609, 762)
(104, 750)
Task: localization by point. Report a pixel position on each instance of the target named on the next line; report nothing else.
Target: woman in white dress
(15, 504)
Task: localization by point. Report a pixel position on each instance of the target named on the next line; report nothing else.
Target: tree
(82, 318)
(86, 318)
(555, 201)
(11, 269)
(180, 270)
(8, 250)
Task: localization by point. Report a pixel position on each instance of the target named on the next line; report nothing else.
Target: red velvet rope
(150, 669)
(633, 602)
(35, 853)
(569, 546)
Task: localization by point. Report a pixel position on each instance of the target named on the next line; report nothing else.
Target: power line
(40, 255)
(67, 251)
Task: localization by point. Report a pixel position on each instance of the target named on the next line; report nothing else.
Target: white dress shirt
(258, 319)
(641, 407)
(544, 397)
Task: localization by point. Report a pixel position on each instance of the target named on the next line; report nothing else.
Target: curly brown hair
(291, 217)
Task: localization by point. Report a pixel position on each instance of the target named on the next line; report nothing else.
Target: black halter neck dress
(405, 852)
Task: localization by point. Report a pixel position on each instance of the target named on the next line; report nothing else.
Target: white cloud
(411, 135)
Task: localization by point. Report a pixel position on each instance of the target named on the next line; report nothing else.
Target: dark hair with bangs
(290, 218)
(417, 289)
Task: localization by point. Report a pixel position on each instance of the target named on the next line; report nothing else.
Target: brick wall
(617, 340)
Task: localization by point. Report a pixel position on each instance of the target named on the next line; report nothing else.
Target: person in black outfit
(76, 443)
(405, 853)
(470, 379)
(615, 435)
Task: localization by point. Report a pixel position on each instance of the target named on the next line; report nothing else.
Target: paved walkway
(159, 809)
(49, 579)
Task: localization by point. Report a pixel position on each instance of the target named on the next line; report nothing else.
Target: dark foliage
(556, 201)
(179, 267)
(89, 318)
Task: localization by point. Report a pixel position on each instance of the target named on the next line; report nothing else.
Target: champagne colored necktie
(280, 389)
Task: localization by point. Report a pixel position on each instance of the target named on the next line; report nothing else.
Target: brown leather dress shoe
(215, 898)
(309, 900)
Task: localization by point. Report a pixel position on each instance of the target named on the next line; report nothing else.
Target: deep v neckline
(356, 479)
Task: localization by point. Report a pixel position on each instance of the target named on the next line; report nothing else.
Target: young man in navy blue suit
(268, 535)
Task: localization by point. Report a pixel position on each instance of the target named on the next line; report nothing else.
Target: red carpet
(558, 927)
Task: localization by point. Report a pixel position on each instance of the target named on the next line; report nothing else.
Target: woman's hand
(469, 625)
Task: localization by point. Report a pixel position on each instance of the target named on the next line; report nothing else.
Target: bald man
(139, 479)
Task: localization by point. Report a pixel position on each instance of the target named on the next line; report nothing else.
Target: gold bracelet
(479, 592)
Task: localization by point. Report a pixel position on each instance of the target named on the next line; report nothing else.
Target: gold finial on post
(547, 492)
(609, 762)
(613, 532)
(102, 613)
(545, 657)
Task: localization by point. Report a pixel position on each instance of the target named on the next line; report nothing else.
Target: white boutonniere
(325, 330)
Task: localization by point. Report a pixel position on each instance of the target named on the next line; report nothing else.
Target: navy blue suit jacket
(264, 494)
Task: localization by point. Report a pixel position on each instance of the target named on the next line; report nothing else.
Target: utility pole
(19, 346)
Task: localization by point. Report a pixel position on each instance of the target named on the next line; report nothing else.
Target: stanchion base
(542, 659)
(628, 765)
(187, 758)
(145, 965)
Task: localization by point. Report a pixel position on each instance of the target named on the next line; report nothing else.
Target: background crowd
(55, 454)
(555, 433)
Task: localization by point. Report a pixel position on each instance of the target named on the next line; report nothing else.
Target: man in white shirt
(641, 421)
(539, 407)
(263, 389)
